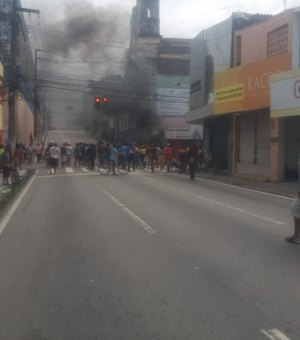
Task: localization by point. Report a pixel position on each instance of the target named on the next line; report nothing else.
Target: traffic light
(105, 100)
(97, 103)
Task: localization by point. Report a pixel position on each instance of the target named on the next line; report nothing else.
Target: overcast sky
(179, 18)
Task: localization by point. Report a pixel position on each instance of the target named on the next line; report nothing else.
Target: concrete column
(235, 143)
(275, 173)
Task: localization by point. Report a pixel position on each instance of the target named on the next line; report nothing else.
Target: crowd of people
(12, 159)
(149, 156)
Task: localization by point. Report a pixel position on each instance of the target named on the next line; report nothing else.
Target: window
(238, 51)
(278, 41)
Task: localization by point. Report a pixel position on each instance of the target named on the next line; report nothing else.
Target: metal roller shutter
(263, 143)
(292, 133)
(247, 144)
(255, 151)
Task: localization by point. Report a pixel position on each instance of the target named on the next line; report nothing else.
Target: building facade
(212, 52)
(258, 143)
(158, 74)
(24, 71)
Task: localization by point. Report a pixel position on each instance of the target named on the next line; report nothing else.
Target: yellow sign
(230, 93)
(247, 87)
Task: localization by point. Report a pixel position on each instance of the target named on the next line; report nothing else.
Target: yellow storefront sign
(247, 87)
(230, 94)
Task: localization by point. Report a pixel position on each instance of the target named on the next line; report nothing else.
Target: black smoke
(94, 33)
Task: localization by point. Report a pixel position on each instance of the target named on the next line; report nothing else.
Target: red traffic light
(97, 103)
(105, 100)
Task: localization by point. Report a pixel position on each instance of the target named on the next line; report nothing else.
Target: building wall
(254, 38)
(24, 121)
(296, 40)
(197, 73)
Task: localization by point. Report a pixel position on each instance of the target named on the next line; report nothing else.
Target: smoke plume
(93, 33)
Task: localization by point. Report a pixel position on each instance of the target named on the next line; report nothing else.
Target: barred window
(278, 41)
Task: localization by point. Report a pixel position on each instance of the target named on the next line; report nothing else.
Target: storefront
(285, 112)
(244, 92)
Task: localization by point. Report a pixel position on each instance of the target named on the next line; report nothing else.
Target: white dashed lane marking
(274, 334)
(130, 213)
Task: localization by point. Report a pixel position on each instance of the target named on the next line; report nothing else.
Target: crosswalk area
(71, 171)
(67, 171)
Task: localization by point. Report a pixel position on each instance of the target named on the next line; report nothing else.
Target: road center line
(274, 334)
(130, 213)
(15, 206)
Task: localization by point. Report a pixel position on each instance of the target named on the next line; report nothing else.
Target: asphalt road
(147, 256)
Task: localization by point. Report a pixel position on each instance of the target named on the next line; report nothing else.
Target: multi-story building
(24, 72)
(285, 106)
(212, 52)
(158, 74)
(241, 99)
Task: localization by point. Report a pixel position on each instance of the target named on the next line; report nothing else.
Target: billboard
(247, 87)
(177, 128)
(285, 94)
(173, 102)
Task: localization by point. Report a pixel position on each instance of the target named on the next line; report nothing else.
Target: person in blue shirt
(113, 158)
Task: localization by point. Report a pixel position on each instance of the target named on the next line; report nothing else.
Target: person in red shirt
(19, 155)
(168, 156)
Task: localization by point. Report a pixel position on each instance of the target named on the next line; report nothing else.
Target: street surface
(146, 256)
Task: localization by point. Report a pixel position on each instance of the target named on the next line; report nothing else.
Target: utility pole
(12, 76)
(35, 94)
(12, 69)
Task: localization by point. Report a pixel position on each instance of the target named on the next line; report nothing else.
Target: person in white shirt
(54, 157)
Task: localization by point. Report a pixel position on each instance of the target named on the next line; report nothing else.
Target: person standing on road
(295, 238)
(69, 152)
(192, 162)
(6, 162)
(54, 157)
(131, 157)
(77, 155)
(168, 156)
(299, 161)
(113, 158)
(63, 154)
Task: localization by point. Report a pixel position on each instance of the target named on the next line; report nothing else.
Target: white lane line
(130, 213)
(246, 189)
(243, 211)
(69, 170)
(227, 206)
(274, 334)
(15, 206)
